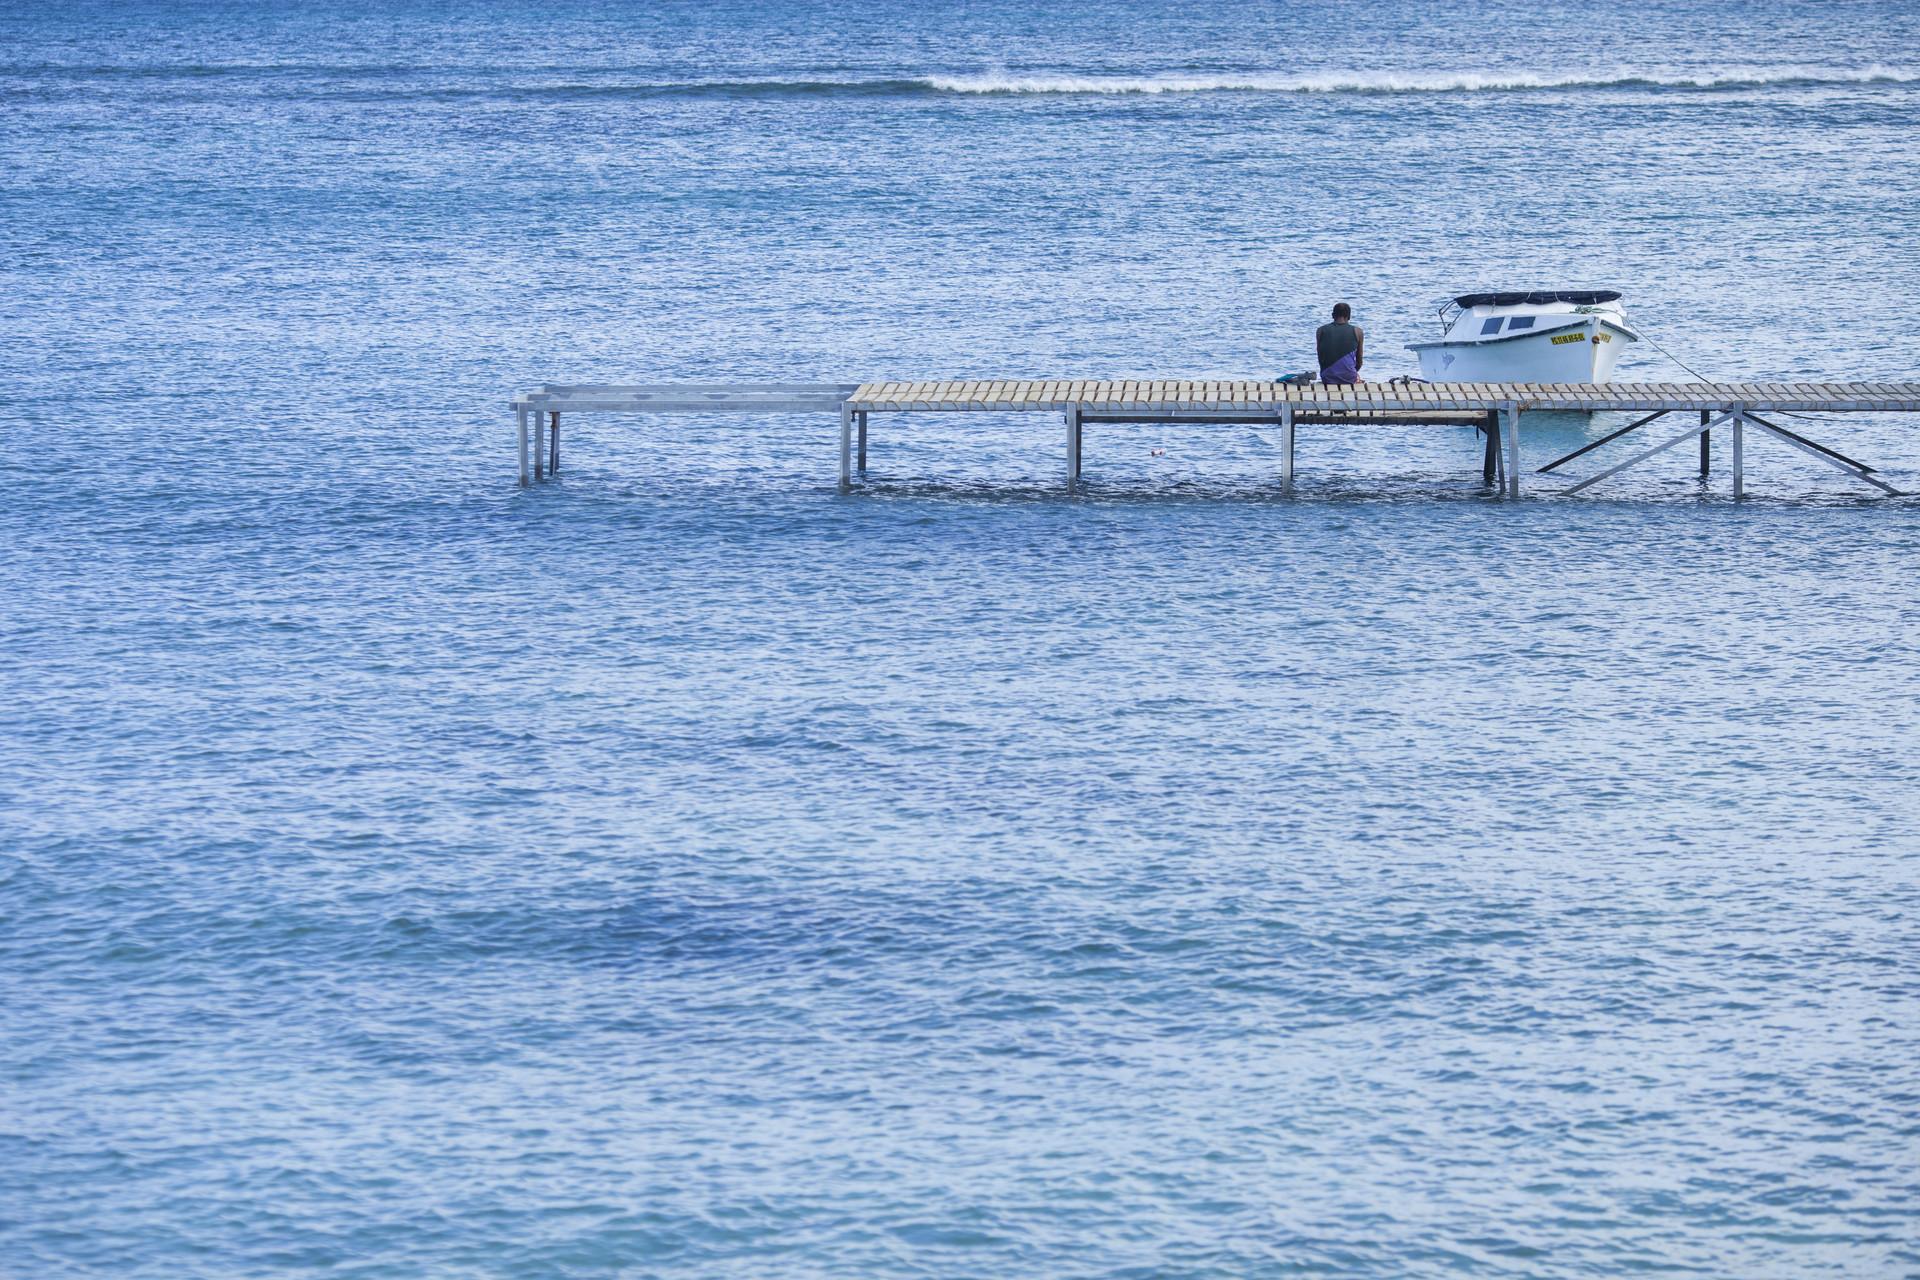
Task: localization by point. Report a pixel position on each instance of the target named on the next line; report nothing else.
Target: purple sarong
(1343, 372)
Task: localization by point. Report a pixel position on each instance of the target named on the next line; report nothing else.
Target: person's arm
(1359, 347)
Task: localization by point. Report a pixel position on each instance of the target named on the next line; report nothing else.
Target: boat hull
(1585, 352)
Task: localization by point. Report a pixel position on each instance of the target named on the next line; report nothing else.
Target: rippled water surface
(682, 869)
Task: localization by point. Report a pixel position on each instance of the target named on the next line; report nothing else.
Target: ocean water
(683, 869)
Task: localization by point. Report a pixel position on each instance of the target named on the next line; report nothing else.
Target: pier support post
(1705, 437)
(846, 447)
(1073, 447)
(1739, 454)
(1286, 450)
(1490, 464)
(553, 459)
(523, 446)
(539, 444)
(1510, 423)
(862, 416)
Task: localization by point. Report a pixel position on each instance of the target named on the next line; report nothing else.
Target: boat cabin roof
(1536, 297)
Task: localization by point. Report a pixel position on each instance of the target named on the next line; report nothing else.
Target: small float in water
(1547, 335)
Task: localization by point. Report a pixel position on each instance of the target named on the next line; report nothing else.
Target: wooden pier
(1739, 409)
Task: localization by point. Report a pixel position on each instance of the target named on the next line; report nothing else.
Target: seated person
(1342, 346)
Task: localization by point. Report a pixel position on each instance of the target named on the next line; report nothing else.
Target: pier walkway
(1495, 408)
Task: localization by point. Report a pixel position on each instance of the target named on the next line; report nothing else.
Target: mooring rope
(1641, 329)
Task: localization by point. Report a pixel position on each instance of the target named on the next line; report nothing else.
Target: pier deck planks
(1244, 396)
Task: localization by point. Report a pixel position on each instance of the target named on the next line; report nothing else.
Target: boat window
(1520, 322)
(1491, 326)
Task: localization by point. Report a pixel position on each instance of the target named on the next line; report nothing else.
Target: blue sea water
(683, 869)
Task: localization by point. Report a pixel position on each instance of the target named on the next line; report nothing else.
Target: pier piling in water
(846, 446)
(1286, 456)
(1739, 455)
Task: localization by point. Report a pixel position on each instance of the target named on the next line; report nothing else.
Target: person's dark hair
(1341, 311)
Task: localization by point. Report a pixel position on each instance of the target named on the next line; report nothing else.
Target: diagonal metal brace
(1609, 438)
(1814, 451)
(1639, 458)
(1815, 444)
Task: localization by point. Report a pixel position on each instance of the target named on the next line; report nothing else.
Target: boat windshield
(1583, 300)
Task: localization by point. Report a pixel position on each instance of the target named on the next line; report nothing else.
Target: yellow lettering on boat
(1565, 338)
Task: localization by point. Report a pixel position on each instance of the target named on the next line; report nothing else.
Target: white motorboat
(1547, 335)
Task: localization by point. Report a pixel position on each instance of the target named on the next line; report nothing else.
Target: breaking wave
(1387, 82)
(559, 82)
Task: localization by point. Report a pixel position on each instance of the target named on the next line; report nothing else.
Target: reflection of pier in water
(1495, 408)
